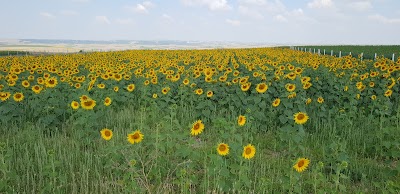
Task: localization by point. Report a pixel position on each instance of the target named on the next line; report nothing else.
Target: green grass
(368, 50)
(74, 159)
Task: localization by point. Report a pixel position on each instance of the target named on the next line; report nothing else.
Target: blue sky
(267, 21)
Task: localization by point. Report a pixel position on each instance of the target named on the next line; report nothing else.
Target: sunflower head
(135, 137)
(223, 149)
(88, 104)
(106, 134)
(276, 102)
(300, 118)
(210, 93)
(130, 87)
(74, 105)
(18, 97)
(249, 151)
(107, 101)
(197, 128)
(241, 120)
(301, 164)
(262, 88)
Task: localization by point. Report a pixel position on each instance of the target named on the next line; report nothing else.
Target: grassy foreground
(347, 155)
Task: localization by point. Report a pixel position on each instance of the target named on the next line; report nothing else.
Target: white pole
(375, 56)
(319, 52)
(350, 53)
(393, 57)
(340, 54)
(331, 52)
(324, 51)
(314, 50)
(362, 55)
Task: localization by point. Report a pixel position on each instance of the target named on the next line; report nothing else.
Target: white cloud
(233, 22)
(383, 19)
(253, 2)
(318, 4)
(47, 15)
(360, 5)
(253, 13)
(280, 18)
(211, 4)
(141, 7)
(124, 21)
(167, 17)
(103, 19)
(68, 13)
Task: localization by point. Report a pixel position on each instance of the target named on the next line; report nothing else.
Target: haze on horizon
(267, 21)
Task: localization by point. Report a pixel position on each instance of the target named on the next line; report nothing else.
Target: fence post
(340, 54)
(393, 57)
(331, 52)
(314, 50)
(375, 57)
(362, 55)
(324, 51)
(350, 53)
(319, 52)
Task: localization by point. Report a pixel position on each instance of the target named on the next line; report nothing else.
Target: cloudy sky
(266, 21)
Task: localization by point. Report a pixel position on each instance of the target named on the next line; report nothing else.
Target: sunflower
(210, 93)
(165, 90)
(26, 84)
(116, 88)
(244, 87)
(106, 134)
(74, 105)
(276, 102)
(186, 82)
(130, 87)
(371, 84)
(197, 128)
(308, 101)
(320, 100)
(388, 93)
(290, 87)
(373, 97)
(249, 151)
(241, 120)
(135, 137)
(4, 96)
(223, 149)
(77, 85)
(261, 88)
(18, 97)
(101, 86)
(199, 91)
(301, 164)
(155, 96)
(300, 118)
(107, 101)
(83, 98)
(88, 104)
(307, 85)
(51, 82)
(346, 88)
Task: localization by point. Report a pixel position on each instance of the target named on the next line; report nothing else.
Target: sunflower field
(263, 120)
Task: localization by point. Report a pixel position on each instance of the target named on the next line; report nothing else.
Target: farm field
(261, 120)
(356, 50)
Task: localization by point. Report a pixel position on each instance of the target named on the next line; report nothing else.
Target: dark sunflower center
(196, 126)
(300, 116)
(222, 148)
(261, 87)
(301, 163)
(136, 136)
(107, 133)
(18, 96)
(88, 103)
(248, 151)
